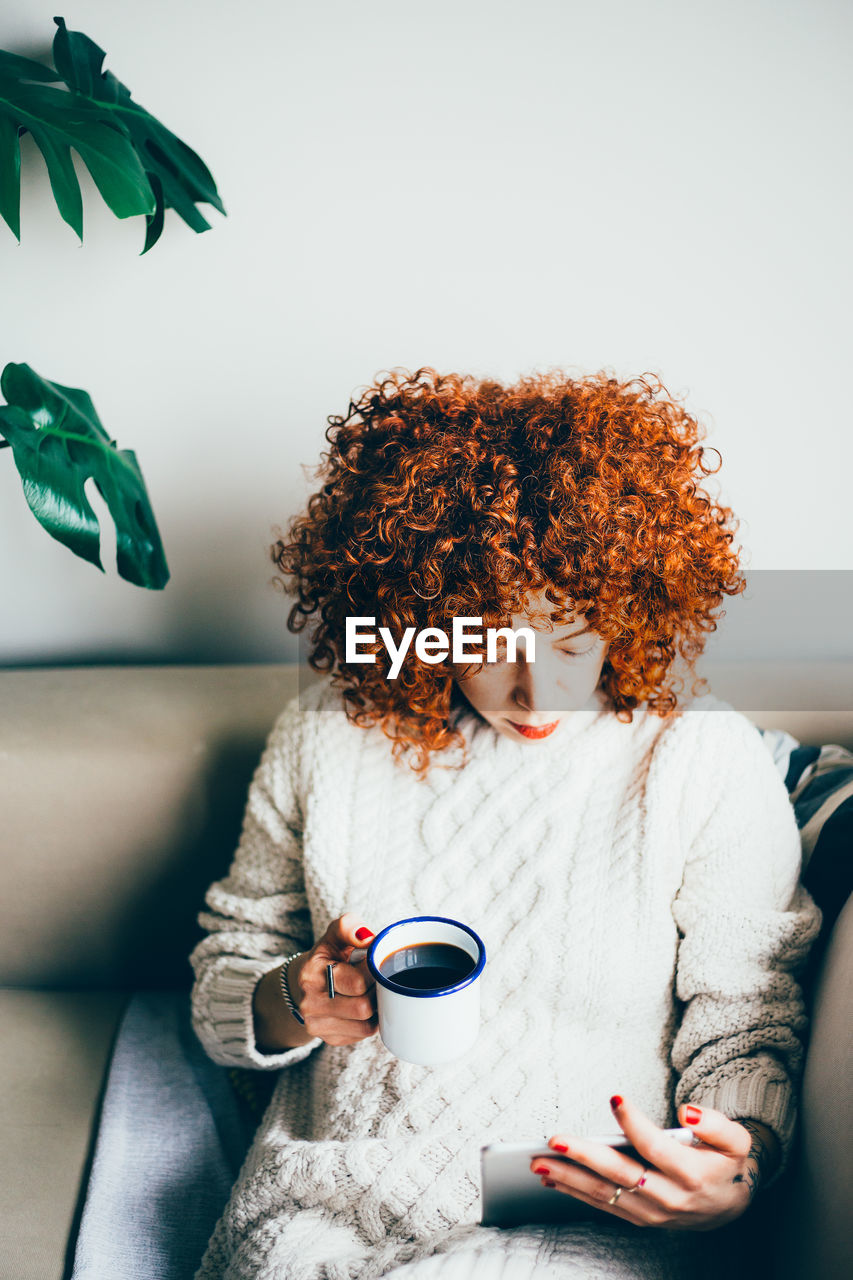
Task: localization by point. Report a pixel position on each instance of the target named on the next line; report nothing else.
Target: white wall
(477, 185)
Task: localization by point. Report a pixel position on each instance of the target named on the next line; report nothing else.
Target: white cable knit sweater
(636, 887)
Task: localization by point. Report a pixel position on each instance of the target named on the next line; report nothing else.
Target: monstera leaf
(138, 165)
(58, 443)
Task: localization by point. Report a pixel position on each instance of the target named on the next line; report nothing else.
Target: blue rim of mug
(439, 991)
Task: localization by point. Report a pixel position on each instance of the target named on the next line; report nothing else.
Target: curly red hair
(446, 495)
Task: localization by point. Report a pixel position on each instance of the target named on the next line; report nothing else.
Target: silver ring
(330, 979)
(616, 1195)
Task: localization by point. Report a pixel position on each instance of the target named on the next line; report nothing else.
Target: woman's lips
(535, 731)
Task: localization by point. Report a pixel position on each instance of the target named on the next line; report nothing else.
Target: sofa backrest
(122, 792)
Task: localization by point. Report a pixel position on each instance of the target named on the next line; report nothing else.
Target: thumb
(715, 1129)
(346, 933)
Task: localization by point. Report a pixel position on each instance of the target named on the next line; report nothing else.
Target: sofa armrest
(54, 1052)
(814, 1225)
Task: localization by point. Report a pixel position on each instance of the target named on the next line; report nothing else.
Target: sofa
(122, 796)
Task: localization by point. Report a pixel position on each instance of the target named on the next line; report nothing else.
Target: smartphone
(513, 1196)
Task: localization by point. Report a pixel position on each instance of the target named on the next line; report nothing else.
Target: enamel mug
(431, 1026)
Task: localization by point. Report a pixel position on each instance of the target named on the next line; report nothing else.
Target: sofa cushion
(172, 1138)
(820, 782)
(823, 802)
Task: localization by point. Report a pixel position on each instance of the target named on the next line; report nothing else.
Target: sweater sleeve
(258, 913)
(746, 924)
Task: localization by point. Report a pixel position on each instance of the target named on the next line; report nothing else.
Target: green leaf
(182, 177)
(15, 67)
(154, 224)
(78, 59)
(58, 443)
(62, 175)
(10, 175)
(58, 121)
(138, 165)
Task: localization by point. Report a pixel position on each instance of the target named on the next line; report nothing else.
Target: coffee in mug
(427, 971)
(427, 966)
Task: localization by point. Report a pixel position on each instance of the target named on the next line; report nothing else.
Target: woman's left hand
(688, 1188)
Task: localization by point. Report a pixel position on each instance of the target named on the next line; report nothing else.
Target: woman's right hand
(351, 1016)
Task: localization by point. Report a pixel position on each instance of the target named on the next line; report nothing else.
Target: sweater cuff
(226, 1025)
(756, 1095)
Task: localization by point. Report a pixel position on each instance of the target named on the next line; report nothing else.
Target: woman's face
(525, 700)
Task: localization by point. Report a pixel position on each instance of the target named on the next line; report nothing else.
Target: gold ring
(616, 1195)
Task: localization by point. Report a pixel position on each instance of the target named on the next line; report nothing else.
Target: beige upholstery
(53, 1053)
(122, 797)
(125, 793)
(816, 1211)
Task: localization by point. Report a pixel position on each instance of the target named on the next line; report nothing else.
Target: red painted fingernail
(540, 1168)
(363, 933)
(692, 1115)
(616, 1101)
(559, 1146)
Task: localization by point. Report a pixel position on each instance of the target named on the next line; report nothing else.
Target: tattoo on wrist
(759, 1159)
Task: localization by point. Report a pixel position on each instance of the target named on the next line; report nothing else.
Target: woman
(633, 870)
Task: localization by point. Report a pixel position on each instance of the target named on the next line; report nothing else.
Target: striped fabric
(820, 784)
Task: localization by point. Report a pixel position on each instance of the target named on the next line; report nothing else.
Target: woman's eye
(569, 653)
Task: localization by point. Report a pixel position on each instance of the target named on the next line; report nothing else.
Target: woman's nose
(535, 689)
